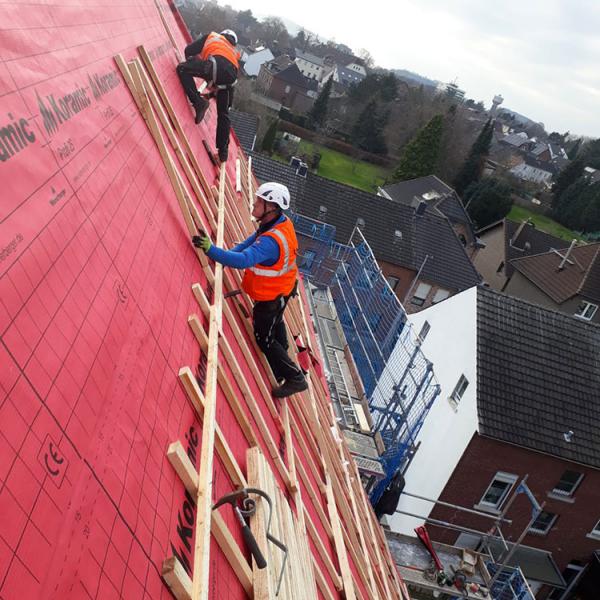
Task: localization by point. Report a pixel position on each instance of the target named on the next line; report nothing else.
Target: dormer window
(322, 212)
(397, 236)
(360, 223)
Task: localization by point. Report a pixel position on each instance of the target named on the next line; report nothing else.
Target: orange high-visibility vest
(217, 45)
(266, 283)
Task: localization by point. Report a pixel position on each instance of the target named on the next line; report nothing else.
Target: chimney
(421, 208)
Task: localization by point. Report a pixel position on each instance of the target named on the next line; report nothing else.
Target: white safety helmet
(230, 35)
(276, 193)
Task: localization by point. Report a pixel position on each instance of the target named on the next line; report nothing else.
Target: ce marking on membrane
(53, 461)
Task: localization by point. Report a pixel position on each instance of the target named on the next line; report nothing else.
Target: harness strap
(213, 82)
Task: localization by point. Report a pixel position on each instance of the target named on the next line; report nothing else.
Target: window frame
(536, 530)
(459, 391)
(567, 494)
(586, 305)
(392, 287)
(504, 477)
(420, 300)
(425, 329)
(447, 292)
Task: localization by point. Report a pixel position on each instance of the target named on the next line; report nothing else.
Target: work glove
(202, 241)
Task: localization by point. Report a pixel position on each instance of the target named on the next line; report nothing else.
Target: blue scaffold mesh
(398, 379)
(510, 585)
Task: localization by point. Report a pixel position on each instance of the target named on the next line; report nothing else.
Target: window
(392, 281)
(596, 531)
(497, 491)
(420, 295)
(308, 259)
(440, 295)
(459, 390)
(424, 331)
(544, 522)
(568, 483)
(586, 310)
(500, 267)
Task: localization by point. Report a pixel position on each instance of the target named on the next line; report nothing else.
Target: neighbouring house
(519, 397)
(528, 159)
(290, 88)
(593, 175)
(310, 66)
(268, 70)
(417, 250)
(515, 140)
(534, 170)
(346, 75)
(566, 280)
(440, 198)
(506, 240)
(254, 59)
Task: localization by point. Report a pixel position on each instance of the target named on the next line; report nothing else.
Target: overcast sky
(543, 56)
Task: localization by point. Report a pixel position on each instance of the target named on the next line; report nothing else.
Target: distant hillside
(418, 79)
(518, 117)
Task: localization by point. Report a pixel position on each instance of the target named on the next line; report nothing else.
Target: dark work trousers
(226, 75)
(271, 337)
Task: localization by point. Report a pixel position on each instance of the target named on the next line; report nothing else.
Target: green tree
(421, 153)
(318, 112)
(269, 139)
(591, 154)
(574, 149)
(487, 201)
(567, 177)
(579, 206)
(367, 132)
(245, 19)
(473, 166)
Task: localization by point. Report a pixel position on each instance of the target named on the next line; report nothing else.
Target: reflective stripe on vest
(287, 266)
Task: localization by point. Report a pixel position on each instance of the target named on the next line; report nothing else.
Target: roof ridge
(552, 251)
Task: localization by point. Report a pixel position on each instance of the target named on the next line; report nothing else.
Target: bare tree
(366, 57)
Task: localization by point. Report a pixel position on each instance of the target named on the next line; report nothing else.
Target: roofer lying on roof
(270, 279)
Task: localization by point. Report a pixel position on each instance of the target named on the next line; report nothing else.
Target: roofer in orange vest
(270, 279)
(214, 58)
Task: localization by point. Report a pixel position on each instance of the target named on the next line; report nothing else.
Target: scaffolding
(398, 380)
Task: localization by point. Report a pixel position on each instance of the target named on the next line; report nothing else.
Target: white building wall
(451, 345)
(254, 61)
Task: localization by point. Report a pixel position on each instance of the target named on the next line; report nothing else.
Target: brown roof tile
(581, 271)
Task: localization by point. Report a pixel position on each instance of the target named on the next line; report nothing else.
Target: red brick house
(520, 395)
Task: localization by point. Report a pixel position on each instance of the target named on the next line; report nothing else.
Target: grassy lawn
(342, 168)
(542, 222)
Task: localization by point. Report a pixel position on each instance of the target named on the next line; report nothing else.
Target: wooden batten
(306, 420)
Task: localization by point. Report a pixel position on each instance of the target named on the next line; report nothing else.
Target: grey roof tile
(428, 235)
(245, 126)
(538, 376)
